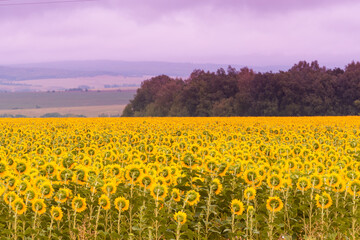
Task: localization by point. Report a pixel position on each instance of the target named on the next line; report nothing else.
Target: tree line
(306, 89)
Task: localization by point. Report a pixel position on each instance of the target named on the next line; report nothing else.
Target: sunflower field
(180, 178)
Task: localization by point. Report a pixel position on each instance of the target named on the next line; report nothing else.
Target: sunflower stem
(178, 231)
(233, 224)
(15, 226)
(208, 205)
(119, 220)
(97, 221)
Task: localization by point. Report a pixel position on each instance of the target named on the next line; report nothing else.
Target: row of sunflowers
(180, 178)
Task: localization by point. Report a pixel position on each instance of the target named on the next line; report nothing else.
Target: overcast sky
(244, 32)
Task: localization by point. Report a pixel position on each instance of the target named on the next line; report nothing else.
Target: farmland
(180, 178)
(90, 104)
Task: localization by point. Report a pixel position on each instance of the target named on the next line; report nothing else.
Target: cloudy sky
(244, 32)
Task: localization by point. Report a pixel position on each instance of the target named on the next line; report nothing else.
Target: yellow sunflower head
(18, 206)
(192, 197)
(216, 186)
(46, 190)
(237, 207)
(354, 188)
(38, 206)
(3, 168)
(333, 179)
(56, 213)
(175, 194)
(62, 195)
(274, 204)
(303, 183)
(23, 186)
(159, 192)
(251, 177)
(250, 193)
(50, 169)
(78, 204)
(341, 187)
(121, 203)
(180, 217)
(109, 188)
(146, 181)
(21, 167)
(11, 182)
(30, 194)
(316, 181)
(104, 202)
(133, 173)
(10, 197)
(251, 210)
(274, 181)
(323, 201)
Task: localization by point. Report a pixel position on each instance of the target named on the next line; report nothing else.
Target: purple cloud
(249, 32)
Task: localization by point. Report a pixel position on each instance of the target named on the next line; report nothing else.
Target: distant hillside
(69, 69)
(17, 73)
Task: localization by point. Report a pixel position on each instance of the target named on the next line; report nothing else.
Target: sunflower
(333, 180)
(30, 194)
(133, 173)
(341, 187)
(237, 207)
(303, 184)
(166, 173)
(291, 165)
(261, 172)
(121, 203)
(21, 167)
(104, 202)
(323, 201)
(175, 194)
(91, 151)
(216, 186)
(275, 181)
(12, 182)
(23, 186)
(2, 190)
(78, 204)
(180, 217)
(18, 206)
(65, 175)
(354, 188)
(10, 197)
(3, 168)
(86, 161)
(274, 170)
(159, 191)
(116, 170)
(38, 206)
(109, 188)
(274, 204)
(56, 213)
(316, 181)
(192, 197)
(251, 177)
(211, 165)
(146, 181)
(249, 193)
(46, 190)
(287, 184)
(223, 168)
(81, 175)
(62, 195)
(250, 209)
